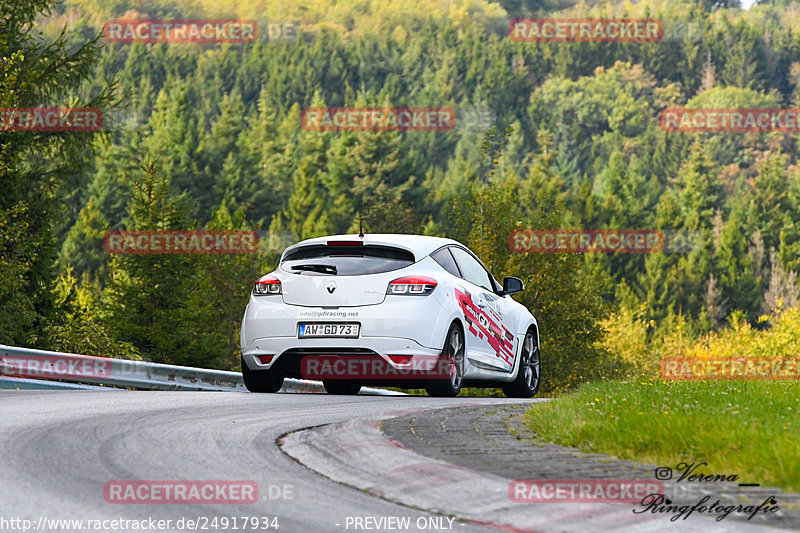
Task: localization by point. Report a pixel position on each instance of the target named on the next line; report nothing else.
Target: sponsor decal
(487, 325)
(327, 314)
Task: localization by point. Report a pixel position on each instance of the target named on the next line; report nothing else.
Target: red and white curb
(356, 453)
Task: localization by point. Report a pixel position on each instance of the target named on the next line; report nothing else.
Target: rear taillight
(400, 359)
(265, 359)
(267, 285)
(412, 286)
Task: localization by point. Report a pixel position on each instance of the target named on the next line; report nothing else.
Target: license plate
(328, 330)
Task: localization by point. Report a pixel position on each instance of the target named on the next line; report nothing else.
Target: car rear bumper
(401, 325)
(362, 346)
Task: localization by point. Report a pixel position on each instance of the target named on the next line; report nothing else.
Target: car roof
(419, 245)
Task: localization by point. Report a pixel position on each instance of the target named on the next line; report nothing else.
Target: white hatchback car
(412, 311)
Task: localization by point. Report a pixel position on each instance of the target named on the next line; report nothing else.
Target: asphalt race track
(62, 452)
(59, 449)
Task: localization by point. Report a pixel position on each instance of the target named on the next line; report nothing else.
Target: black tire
(261, 380)
(453, 353)
(529, 374)
(341, 386)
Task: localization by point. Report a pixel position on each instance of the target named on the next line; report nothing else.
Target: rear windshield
(323, 260)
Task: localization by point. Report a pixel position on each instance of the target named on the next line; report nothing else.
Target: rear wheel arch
(454, 352)
(527, 378)
(457, 322)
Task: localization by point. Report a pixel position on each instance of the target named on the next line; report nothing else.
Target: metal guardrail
(40, 384)
(58, 370)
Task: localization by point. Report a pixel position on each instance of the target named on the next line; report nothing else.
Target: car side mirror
(513, 285)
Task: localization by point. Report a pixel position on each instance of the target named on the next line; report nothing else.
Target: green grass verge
(747, 428)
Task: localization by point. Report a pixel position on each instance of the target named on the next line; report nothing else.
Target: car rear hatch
(340, 273)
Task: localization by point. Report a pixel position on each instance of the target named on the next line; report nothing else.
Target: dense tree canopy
(219, 127)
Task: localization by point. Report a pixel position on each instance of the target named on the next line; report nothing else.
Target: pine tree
(309, 207)
(38, 168)
(214, 313)
(736, 267)
(771, 204)
(783, 291)
(257, 175)
(698, 189)
(175, 140)
(144, 294)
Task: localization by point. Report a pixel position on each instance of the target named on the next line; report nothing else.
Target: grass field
(747, 428)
